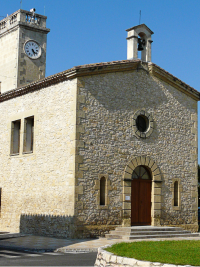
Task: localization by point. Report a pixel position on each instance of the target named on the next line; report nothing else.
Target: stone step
(160, 236)
(147, 229)
(148, 233)
(6, 235)
(145, 232)
(128, 237)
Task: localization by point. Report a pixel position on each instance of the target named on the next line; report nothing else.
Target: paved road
(21, 258)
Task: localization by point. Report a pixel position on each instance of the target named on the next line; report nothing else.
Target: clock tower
(23, 39)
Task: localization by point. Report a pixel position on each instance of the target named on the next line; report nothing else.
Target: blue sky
(90, 31)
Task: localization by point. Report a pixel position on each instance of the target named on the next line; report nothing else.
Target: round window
(142, 123)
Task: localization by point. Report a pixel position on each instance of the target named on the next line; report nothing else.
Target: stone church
(96, 146)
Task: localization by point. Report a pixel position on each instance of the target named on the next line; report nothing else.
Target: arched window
(102, 191)
(141, 172)
(176, 194)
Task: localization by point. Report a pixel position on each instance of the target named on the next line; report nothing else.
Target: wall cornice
(102, 68)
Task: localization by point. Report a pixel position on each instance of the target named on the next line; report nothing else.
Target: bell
(140, 47)
(141, 43)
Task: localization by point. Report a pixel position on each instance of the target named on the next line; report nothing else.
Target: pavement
(45, 244)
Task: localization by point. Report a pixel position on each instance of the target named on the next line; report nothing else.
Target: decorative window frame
(15, 139)
(22, 116)
(149, 131)
(107, 188)
(180, 190)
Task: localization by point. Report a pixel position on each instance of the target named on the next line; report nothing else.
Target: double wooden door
(141, 197)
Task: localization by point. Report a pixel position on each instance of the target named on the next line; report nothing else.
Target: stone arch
(142, 160)
(156, 189)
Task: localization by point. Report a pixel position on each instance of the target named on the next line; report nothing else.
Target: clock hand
(33, 51)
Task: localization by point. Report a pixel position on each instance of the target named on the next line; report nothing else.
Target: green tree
(198, 185)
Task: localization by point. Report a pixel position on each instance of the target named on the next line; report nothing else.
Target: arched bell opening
(142, 46)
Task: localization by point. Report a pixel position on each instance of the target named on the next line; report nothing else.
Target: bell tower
(139, 39)
(23, 39)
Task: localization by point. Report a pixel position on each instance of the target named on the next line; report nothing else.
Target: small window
(176, 194)
(28, 134)
(103, 191)
(15, 136)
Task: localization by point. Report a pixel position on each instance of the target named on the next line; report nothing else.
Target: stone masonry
(83, 131)
(108, 145)
(16, 68)
(105, 258)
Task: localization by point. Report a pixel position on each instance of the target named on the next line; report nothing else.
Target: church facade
(96, 146)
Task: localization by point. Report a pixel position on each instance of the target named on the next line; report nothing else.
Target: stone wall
(48, 225)
(83, 131)
(39, 184)
(8, 62)
(109, 101)
(105, 258)
(31, 70)
(16, 67)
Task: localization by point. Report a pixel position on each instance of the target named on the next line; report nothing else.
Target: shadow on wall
(61, 226)
(48, 225)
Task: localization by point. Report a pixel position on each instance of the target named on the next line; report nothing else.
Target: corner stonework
(79, 144)
(156, 189)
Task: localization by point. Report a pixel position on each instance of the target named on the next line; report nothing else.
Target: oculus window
(142, 124)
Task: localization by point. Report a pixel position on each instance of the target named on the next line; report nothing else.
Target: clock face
(32, 49)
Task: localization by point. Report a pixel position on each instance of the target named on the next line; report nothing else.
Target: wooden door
(141, 197)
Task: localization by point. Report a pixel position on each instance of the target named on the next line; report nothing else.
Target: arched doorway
(141, 196)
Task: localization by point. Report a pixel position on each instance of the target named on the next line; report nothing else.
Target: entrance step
(6, 235)
(145, 232)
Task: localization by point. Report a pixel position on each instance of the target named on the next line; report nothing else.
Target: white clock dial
(32, 49)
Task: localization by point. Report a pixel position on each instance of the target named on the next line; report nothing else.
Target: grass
(184, 252)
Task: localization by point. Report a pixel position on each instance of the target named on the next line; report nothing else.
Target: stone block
(143, 159)
(157, 198)
(126, 205)
(144, 263)
(78, 159)
(126, 222)
(81, 114)
(113, 259)
(129, 261)
(157, 191)
(81, 99)
(157, 206)
(128, 170)
(131, 166)
(127, 190)
(156, 213)
(127, 175)
(80, 128)
(79, 189)
(127, 183)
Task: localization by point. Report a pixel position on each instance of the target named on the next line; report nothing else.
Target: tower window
(103, 191)
(176, 194)
(28, 134)
(15, 136)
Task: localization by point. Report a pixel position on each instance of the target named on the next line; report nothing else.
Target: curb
(77, 250)
(105, 258)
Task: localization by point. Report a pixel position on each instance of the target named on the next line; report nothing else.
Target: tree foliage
(198, 185)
